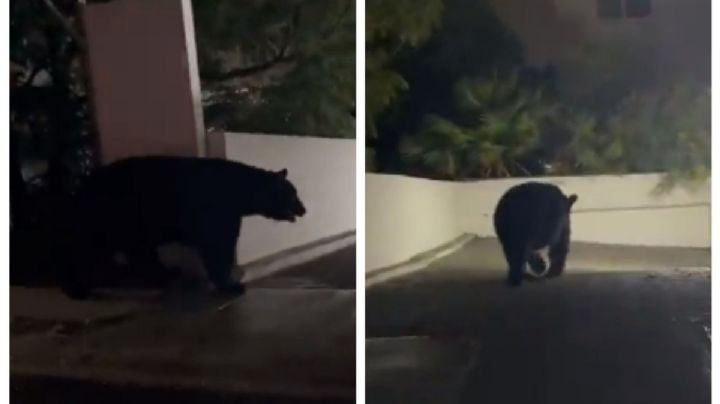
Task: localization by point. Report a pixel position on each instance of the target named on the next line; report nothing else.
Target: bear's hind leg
(558, 254)
(516, 258)
(76, 272)
(73, 283)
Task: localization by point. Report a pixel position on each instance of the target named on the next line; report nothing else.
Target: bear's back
(531, 210)
(149, 193)
(161, 173)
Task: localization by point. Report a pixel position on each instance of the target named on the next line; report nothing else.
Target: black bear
(530, 217)
(135, 205)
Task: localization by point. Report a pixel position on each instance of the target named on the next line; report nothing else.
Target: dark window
(637, 8)
(609, 8)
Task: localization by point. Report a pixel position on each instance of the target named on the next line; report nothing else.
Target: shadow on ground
(65, 391)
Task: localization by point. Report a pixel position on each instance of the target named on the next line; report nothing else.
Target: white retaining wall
(406, 216)
(322, 170)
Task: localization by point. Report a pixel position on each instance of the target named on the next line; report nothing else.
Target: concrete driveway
(624, 325)
(290, 338)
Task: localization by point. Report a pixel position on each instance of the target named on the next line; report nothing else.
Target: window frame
(623, 9)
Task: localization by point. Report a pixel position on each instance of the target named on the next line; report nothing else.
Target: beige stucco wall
(610, 210)
(143, 69)
(322, 170)
(407, 216)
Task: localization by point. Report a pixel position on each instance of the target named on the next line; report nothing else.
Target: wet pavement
(290, 338)
(454, 333)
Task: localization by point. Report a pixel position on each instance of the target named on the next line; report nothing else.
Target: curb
(418, 262)
(32, 384)
(278, 262)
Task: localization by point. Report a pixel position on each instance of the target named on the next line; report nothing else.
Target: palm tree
(500, 122)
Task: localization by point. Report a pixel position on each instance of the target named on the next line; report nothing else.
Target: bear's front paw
(234, 288)
(76, 292)
(513, 281)
(554, 272)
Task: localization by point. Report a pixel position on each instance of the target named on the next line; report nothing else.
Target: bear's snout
(300, 210)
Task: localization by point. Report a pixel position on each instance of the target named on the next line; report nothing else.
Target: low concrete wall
(407, 216)
(610, 210)
(322, 170)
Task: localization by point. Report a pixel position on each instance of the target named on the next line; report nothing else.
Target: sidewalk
(292, 340)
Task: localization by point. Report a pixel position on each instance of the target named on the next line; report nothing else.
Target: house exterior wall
(144, 76)
(674, 38)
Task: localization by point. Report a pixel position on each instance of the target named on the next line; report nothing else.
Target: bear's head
(571, 200)
(279, 200)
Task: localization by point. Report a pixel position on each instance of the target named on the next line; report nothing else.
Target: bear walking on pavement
(528, 218)
(135, 205)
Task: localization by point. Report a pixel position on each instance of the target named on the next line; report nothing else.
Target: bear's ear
(571, 200)
(283, 173)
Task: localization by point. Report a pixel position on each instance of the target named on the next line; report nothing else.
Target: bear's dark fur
(135, 205)
(528, 218)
